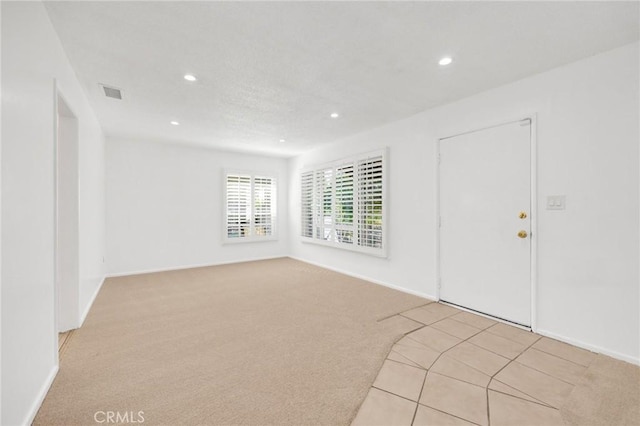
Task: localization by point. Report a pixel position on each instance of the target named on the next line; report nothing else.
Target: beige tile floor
(457, 368)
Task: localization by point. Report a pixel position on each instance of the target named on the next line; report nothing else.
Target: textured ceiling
(276, 70)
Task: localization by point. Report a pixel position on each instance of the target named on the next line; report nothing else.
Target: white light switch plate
(555, 202)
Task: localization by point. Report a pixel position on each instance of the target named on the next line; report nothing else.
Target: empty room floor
(282, 342)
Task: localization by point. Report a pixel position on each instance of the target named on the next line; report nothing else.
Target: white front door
(485, 221)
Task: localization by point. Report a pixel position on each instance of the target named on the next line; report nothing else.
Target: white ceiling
(276, 70)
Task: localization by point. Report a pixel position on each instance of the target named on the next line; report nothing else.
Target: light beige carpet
(277, 342)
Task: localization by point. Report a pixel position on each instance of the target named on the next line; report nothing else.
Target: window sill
(381, 253)
(232, 241)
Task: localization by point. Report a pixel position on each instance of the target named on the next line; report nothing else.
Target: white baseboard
(429, 297)
(589, 347)
(90, 304)
(35, 406)
(180, 267)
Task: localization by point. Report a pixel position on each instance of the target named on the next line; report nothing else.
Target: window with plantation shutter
(307, 206)
(263, 206)
(323, 204)
(370, 202)
(238, 206)
(250, 207)
(342, 204)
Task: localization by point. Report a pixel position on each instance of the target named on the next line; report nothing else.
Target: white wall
(32, 57)
(588, 119)
(165, 206)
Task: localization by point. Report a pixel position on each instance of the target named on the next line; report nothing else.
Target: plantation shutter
(238, 206)
(370, 202)
(263, 206)
(344, 204)
(306, 219)
(323, 204)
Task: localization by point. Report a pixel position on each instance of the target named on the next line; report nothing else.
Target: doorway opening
(67, 265)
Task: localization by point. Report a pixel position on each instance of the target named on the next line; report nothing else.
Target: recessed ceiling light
(282, 140)
(445, 61)
(175, 123)
(190, 77)
(335, 115)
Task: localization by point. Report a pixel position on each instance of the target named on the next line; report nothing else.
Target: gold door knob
(522, 215)
(522, 234)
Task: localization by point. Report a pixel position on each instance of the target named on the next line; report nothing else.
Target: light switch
(555, 202)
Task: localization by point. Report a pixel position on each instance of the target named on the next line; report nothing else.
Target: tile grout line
(542, 372)
(461, 380)
(559, 357)
(400, 313)
(425, 377)
(415, 412)
(423, 385)
(564, 359)
(449, 317)
(462, 362)
(488, 330)
(415, 364)
(537, 401)
(465, 323)
(487, 389)
(510, 360)
(488, 406)
(394, 394)
(449, 414)
(402, 363)
(496, 353)
(466, 340)
(498, 372)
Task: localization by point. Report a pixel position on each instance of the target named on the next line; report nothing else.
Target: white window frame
(333, 166)
(252, 237)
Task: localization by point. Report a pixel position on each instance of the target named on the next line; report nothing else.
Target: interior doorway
(67, 263)
(485, 225)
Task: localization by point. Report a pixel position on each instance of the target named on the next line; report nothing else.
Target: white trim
(90, 304)
(58, 96)
(593, 348)
(533, 145)
(369, 279)
(181, 267)
(35, 406)
(533, 128)
(55, 225)
(438, 219)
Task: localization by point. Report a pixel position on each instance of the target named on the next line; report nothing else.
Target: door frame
(74, 286)
(534, 206)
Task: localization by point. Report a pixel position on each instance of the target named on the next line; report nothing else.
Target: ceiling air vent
(112, 92)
